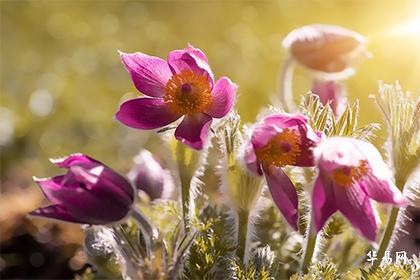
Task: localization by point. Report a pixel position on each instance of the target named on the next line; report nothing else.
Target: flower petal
(283, 193)
(251, 161)
(193, 130)
(262, 134)
(53, 188)
(356, 206)
(284, 120)
(323, 203)
(382, 190)
(192, 59)
(57, 212)
(73, 159)
(149, 74)
(223, 97)
(145, 113)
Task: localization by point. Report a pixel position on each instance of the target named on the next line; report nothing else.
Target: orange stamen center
(187, 93)
(282, 149)
(346, 176)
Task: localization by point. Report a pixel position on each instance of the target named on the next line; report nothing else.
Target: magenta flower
(277, 141)
(181, 86)
(351, 174)
(148, 176)
(89, 193)
(330, 92)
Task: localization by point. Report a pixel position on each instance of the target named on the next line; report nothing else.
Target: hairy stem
(389, 229)
(243, 223)
(309, 248)
(185, 178)
(285, 83)
(148, 231)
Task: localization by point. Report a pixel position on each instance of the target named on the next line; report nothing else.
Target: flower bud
(324, 48)
(149, 176)
(89, 193)
(330, 92)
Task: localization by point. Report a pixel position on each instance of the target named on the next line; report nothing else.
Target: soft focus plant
(244, 209)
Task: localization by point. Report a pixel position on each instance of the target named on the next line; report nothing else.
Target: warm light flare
(411, 27)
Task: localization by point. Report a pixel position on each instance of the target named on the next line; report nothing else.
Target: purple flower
(351, 174)
(89, 193)
(181, 86)
(277, 141)
(332, 92)
(148, 176)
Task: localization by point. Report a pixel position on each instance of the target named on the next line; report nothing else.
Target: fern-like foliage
(401, 111)
(322, 118)
(213, 243)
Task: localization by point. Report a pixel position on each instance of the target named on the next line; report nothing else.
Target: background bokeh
(62, 82)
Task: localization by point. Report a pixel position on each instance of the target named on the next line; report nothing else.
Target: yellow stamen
(346, 176)
(187, 93)
(282, 149)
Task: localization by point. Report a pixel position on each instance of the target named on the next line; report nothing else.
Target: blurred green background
(62, 81)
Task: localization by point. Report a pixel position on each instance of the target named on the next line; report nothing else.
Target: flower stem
(389, 229)
(309, 248)
(147, 229)
(386, 238)
(243, 222)
(285, 83)
(185, 165)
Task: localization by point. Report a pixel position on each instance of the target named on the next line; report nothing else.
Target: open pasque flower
(277, 141)
(149, 176)
(182, 86)
(351, 174)
(89, 193)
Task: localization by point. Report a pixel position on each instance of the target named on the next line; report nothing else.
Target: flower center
(346, 176)
(187, 93)
(281, 150)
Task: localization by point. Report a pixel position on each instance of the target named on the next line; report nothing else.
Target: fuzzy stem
(147, 229)
(185, 200)
(389, 229)
(185, 177)
(243, 223)
(309, 248)
(285, 83)
(386, 238)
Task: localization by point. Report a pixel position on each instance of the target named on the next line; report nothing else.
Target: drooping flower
(149, 176)
(351, 175)
(277, 141)
(181, 86)
(326, 48)
(329, 52)
(331, 92)
(89, 193)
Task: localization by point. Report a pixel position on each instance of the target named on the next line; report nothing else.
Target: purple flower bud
(148, 176)
(89, 193)
(332, 92)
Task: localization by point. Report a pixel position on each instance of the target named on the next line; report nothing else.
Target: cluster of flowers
(350, 172)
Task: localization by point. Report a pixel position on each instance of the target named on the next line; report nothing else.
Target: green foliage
(393, 271)
(322, 118)
(327, 270)
(401, 111)
(211, 245)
